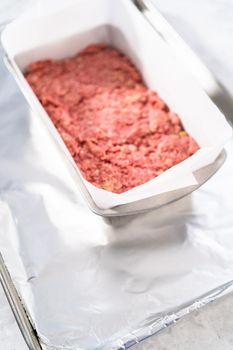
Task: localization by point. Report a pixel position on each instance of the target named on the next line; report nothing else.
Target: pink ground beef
(120, 133)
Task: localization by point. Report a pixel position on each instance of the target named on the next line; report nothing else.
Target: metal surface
(13, 298)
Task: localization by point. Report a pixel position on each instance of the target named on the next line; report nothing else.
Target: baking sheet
(124, 27)
(90, 283)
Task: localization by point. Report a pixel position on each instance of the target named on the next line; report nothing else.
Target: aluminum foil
(92, 283)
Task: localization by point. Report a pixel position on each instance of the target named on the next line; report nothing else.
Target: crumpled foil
(92, 283)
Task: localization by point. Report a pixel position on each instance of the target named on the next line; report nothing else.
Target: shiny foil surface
(93, 283)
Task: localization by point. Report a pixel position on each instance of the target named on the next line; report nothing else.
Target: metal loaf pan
(16, 68)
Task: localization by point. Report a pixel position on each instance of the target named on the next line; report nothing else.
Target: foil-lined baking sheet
(92, 283)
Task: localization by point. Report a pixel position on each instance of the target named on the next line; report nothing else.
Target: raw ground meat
(120, 133)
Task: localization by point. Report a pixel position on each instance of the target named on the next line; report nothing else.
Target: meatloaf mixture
(120, 133)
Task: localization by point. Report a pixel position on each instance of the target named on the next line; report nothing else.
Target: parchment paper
(63, 33)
